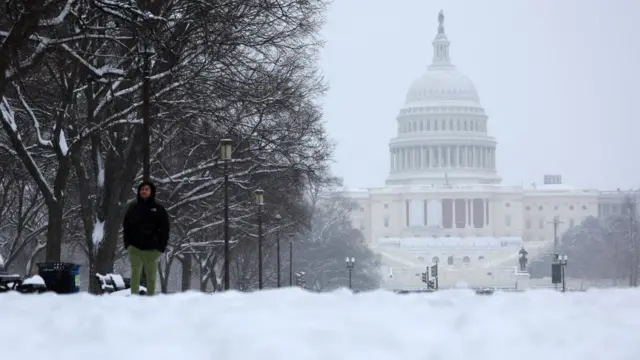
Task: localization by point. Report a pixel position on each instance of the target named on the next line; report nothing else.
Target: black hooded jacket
(146, 223)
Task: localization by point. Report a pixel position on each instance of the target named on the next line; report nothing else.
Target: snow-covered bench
(14, 282)
(115, 283)
(34, 284)
(9, 282)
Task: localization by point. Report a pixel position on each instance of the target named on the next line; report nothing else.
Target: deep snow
(292, 324)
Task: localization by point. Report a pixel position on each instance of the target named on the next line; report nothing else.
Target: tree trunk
(119, 176)
(164, 276)
(105, 254)
(186, 262)
(54, 231)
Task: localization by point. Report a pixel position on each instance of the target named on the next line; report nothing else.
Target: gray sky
(558, 79)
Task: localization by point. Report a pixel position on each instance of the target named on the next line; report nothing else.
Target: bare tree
(20, 49)
(21, 220)
(330, 239)
(71, 114)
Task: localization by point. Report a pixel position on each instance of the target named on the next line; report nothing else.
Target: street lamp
(225, 155)
(562, 260)
(260, 203)
(279, 225)
(146, 50)
(290, 259)
(351, 263)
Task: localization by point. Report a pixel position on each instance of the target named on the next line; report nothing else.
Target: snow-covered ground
(292, 324)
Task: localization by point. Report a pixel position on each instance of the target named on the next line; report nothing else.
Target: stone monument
(523, 259)
(522, 276)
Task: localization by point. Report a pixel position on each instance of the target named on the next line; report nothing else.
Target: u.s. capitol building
(443, 200)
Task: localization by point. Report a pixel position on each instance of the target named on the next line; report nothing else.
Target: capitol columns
(391, 168)
(487, 208)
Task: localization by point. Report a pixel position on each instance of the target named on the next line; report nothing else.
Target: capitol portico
(443, 200)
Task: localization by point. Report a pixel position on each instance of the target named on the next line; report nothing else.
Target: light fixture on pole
(225, 155)
(279, 225)
(145, 48)
(290, 259)
(562, 260)
(260, 203)
(351, 263)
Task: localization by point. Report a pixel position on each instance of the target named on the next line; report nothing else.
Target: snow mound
(34, 280)
(291, 324)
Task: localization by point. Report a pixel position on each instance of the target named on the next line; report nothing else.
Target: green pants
(148, 260)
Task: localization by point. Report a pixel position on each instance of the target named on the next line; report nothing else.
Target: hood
(153, 190)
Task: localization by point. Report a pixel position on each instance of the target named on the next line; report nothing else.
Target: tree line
(71, 109)
(602, 248)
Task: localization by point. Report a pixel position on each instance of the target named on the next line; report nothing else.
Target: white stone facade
(481, 227)
(443, 199)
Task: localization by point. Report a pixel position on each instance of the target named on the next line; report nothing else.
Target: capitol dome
(445, 84)
(442, 82)
(442, 128)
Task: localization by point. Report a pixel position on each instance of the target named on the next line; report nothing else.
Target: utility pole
(556, 222)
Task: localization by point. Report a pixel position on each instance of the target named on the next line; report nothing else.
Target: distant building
(443, 200)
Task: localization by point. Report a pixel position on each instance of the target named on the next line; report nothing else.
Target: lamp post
(260, 203)
(147, 51)
(562, 260)
(351, 263)
(225, 155)
(290, 259)
(279, 224)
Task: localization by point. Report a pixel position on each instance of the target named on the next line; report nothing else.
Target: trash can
(60, 277)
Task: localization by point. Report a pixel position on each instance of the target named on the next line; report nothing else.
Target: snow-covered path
(291, 324)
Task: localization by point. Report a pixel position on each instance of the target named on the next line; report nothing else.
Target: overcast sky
(558, 79)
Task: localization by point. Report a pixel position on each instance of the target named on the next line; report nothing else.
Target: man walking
(145, 234)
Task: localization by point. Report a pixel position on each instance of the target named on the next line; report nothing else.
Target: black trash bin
(60, 277)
